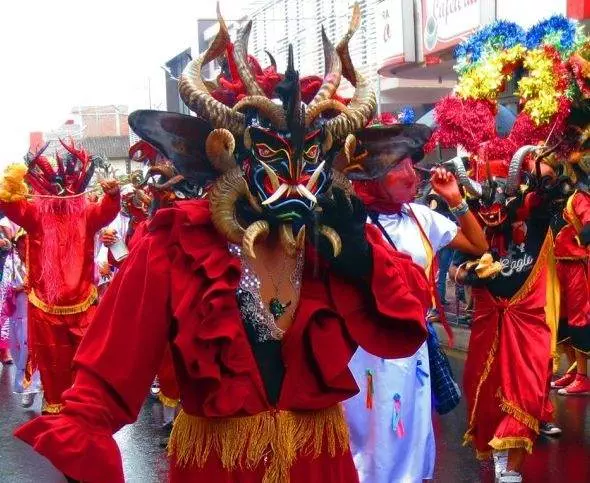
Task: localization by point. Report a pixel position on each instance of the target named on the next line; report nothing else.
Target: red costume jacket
(179, 284)
(576, 214)
(77, 283)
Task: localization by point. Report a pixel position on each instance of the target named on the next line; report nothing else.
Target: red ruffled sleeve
(115, 366)
(392, 324)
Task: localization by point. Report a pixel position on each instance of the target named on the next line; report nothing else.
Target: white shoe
(510, 477)
(500, 463)
(27, 399)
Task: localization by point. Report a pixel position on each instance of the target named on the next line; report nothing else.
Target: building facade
(404, 46)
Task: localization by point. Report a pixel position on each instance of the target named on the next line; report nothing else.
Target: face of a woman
(400, 184)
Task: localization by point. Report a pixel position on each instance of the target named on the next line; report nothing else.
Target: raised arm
(470, 238)
(13, 201)
(115, 366)
(102, 213)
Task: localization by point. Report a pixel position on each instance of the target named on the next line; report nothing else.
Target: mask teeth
(274, 179)
(303, 191)
(276, 195)
(316, 174)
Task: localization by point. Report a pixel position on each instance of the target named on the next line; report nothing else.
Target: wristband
(460, 210)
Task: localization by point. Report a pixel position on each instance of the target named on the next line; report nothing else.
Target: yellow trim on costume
(503, 444)
(64, 309)
(552, 300)
(546, 250)
(275, 437)
(429, 253)
(51, 408)
(167, 401)
(544, 253)
(467, 437)
(518, 413)
(571, 214)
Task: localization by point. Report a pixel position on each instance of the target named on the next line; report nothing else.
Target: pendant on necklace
(276, 308)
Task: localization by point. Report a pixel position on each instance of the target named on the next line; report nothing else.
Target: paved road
(566, 460)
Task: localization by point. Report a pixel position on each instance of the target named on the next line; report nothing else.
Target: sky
(58, 54)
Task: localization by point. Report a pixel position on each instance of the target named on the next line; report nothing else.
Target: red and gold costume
(573, 272)
(509, 364)
(60, 285)
(227, 423)
(260, 354)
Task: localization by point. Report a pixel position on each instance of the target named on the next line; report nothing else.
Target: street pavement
(563, 460)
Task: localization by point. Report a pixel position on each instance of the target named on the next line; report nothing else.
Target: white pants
(380, 454)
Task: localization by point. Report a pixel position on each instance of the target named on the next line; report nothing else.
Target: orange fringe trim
(518, 413)
(502, 444)
(275, 437)
(64, 309)
(51, 408)
(167, 401)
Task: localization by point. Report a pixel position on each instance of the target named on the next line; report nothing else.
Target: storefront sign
(395, 32)
(446, 22)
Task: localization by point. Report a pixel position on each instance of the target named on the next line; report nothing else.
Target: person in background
(390, 419)
(27, 381)
(61, 225)
(5, 249)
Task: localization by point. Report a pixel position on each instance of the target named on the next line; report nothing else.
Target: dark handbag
(445, 391)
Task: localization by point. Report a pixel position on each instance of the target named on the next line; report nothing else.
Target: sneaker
(500, 463)
(549, 429)
(27, 399)
(580, 387)
(510, 477)
(564, 380)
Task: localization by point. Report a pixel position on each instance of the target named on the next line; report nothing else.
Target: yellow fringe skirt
(273, 437)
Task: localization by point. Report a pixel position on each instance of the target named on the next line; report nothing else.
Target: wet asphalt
(563, 460)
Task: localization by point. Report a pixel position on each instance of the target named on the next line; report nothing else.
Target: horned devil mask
(276, 152)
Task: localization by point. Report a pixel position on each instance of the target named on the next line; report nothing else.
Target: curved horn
(241, 59)
(364, 102)
(169, 183)
(259, 228)
(342, 47)
(273, 112)
(471, 186)
(195, 94)
(332, 75)
(287, 239)
(326, 105)
(512, 182)
(219, 146)
(333, 238)
(223, 196)
(271, 58)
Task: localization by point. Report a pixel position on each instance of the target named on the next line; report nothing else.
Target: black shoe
(549, 429)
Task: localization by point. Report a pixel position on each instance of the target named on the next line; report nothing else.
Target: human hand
(104, 270)
(445, 184)
(110, 186)
(109, 237)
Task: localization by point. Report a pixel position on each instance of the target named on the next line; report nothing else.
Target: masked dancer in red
(61, 225)
(572, 254)
(263, 298)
